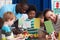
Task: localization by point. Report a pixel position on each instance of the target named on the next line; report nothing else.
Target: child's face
(11, 22)
(31, 14)
(42, 20)
(50, 16)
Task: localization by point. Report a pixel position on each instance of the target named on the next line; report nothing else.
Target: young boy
(41, 31)
(31, 15)
(8, 19)
(29, 22)
(40, 15)
(49, 15)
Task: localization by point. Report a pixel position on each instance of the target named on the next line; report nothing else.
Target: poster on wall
(56, 6)
(5, 2)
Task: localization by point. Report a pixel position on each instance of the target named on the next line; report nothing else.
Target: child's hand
(48, 37)
(19, 37)
(31, 36)
(54, 36)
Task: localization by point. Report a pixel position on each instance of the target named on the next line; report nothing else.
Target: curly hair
(31, 8)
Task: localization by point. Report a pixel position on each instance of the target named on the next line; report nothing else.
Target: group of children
(9, 18)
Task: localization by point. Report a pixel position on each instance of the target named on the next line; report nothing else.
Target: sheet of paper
(27, 24)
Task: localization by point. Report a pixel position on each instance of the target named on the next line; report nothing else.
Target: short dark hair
(44, 13)
(31, 8)
(39, 14)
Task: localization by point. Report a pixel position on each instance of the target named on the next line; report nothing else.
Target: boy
(41, 31)
(8, 19)
(29, 22)
(40, 15)
(49, 15)
(31, 15)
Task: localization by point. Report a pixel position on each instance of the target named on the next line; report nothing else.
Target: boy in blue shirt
(8, 19)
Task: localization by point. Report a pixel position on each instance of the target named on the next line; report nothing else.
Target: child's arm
(7, 32)
(52, 36)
